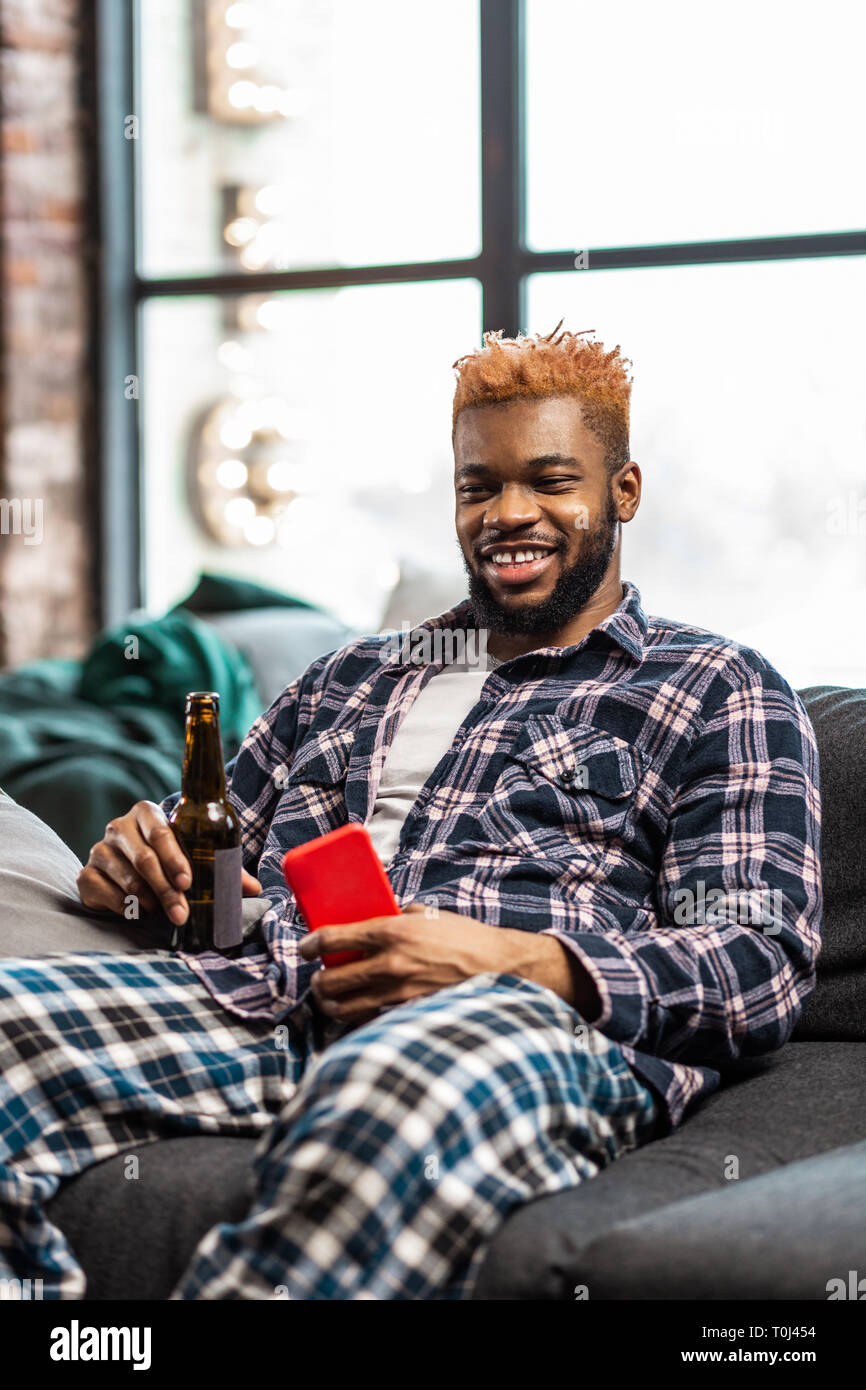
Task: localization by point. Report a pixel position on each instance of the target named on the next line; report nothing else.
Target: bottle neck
(203, 777)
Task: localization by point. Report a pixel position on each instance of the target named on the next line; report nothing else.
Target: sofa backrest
(837, 1008)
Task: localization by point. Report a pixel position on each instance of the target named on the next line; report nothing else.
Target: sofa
(759, 1194)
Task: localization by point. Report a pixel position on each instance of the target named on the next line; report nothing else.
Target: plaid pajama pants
(387, 1156)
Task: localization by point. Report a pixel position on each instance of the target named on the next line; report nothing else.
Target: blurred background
(243, 244)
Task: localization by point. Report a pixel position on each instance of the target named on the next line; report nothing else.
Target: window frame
(502, 266)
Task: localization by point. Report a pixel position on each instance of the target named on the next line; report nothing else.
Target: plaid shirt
(648, 795)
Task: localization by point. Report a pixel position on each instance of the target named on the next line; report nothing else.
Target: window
(301, 270)
(652, 127)
(361, 423)
(681, 122)
(333, 200)
(751, 440)
(347, 134)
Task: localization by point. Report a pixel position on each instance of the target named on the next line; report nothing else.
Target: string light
(243, 497)
(253, 228)
(241, 230)
(240, 511)
(260, 530)
(243, 94)
(235, 434)
(231, 473)
(239, 16)
(241, 55)
(236, 42)
(233, 355)
(270, 200)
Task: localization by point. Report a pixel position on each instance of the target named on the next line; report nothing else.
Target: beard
(572, 592)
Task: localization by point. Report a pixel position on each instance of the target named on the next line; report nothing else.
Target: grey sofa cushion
(837, 1008)
(784, 1235)
(40, 910)
(134, 1236)
(280, 643)
(801, 1101)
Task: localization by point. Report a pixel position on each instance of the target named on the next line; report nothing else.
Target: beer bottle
(207, 828)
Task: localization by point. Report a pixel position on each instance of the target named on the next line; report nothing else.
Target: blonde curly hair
(557, 364)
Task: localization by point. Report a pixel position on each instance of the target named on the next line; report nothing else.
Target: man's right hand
(139, 856)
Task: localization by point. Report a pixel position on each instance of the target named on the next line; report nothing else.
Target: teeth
(517, 557)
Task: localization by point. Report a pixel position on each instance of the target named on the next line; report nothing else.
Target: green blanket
(81, 742)
(152, 664)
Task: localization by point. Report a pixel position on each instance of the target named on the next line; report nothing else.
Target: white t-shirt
(424, 736)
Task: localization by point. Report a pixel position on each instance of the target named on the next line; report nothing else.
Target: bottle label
(227, 925)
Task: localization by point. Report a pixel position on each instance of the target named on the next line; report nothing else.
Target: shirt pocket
(313, 786)
(322, 759)
(572, 786)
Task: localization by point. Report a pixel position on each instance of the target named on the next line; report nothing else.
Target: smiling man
(554, 821)
(538, 513)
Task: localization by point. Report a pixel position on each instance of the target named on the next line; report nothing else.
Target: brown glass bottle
(207, 828)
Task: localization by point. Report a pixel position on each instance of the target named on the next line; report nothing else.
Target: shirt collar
(626, 626)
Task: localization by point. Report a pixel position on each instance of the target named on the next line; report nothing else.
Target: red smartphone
(339, 878)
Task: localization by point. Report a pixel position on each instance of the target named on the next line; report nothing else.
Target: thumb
(414, 907)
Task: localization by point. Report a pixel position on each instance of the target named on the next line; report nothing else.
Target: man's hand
(424, 950)
(140, 857)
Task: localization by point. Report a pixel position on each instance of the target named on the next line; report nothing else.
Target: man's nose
(514, 506)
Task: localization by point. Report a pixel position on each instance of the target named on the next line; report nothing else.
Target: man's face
(536, 519)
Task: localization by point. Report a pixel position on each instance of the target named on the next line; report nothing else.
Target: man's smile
(517, 562)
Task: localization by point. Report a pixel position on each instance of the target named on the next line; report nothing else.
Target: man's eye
(558, 481)
(472, 489)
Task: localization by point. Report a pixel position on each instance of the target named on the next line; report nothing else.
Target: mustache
(489, 542)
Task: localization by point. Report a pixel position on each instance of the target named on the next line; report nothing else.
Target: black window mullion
(235, 282)
(116, 418)
(502, 164)
(777, 248)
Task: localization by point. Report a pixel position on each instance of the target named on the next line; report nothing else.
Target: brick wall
(47, 538)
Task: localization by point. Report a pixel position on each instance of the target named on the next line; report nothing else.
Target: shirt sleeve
(720, 965)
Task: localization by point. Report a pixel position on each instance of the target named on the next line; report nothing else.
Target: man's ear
(628, 488)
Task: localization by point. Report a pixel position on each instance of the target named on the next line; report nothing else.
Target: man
(605, 843)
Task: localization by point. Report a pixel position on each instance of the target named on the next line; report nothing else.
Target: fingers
(356, 992)
(139, 854)
(250, 886)
(359, 1008)
(158, 834)
(150, 846)
(99, 892)
(113, 869)
(375, 933)
(371, 975)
